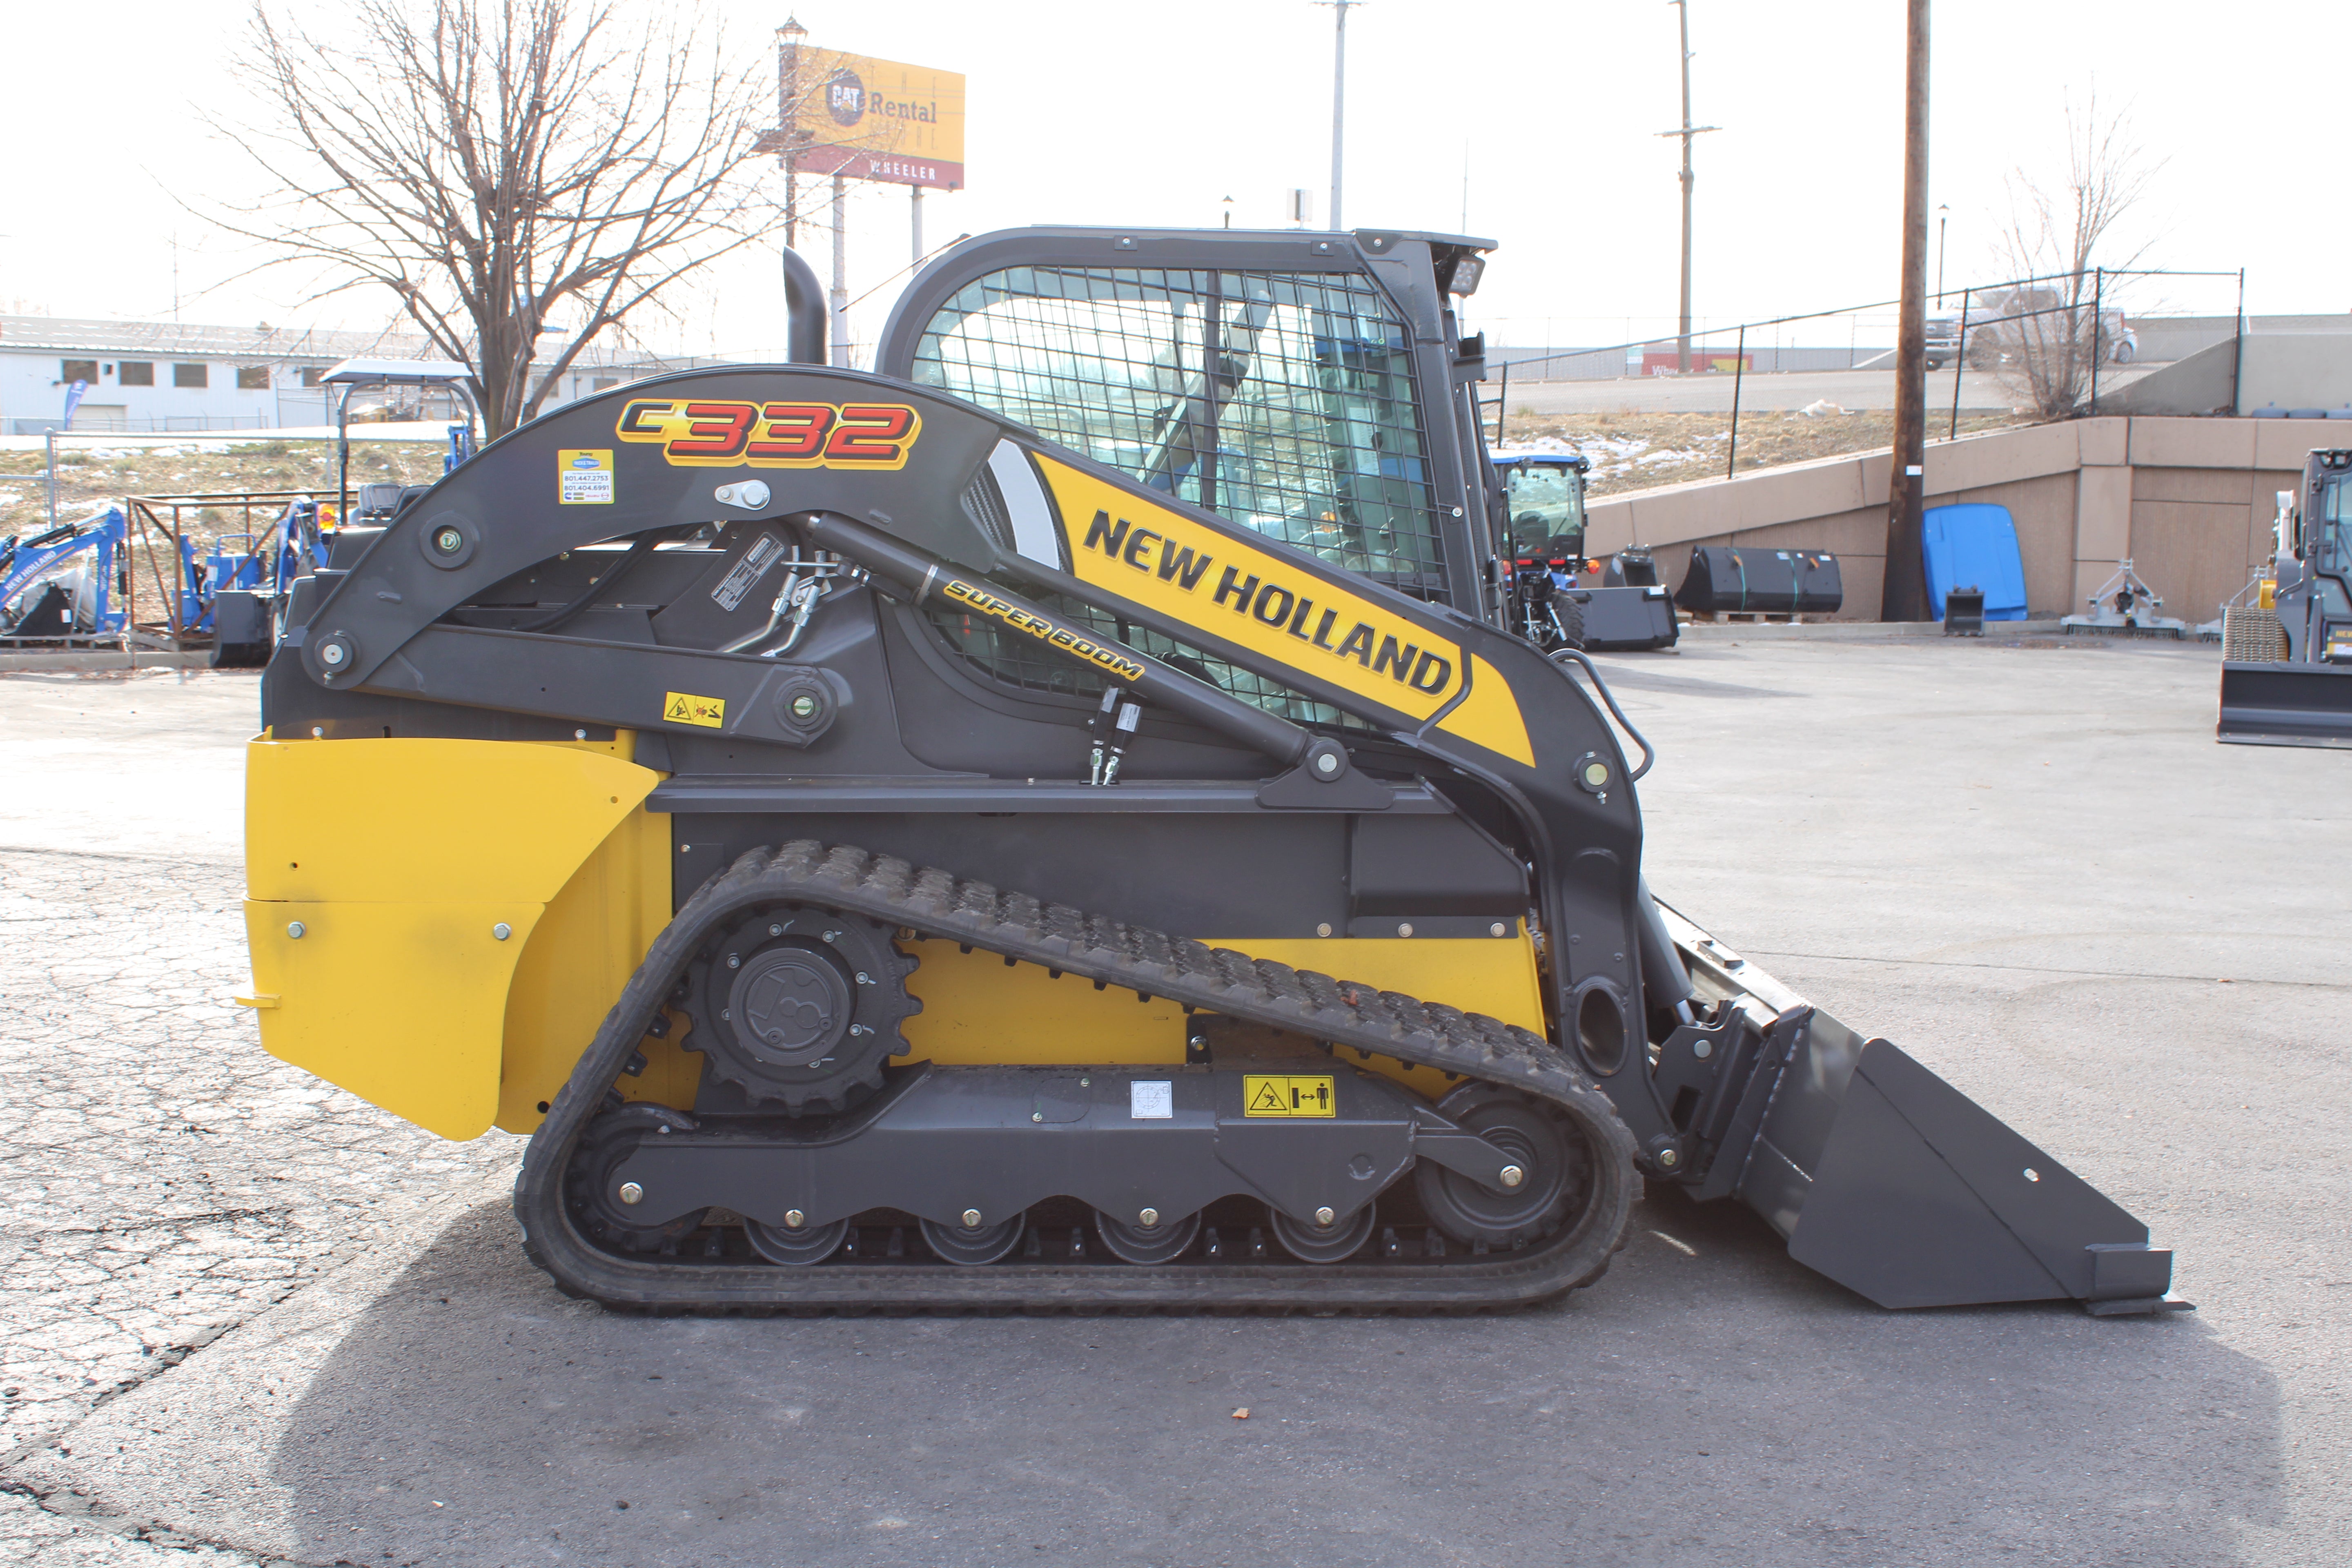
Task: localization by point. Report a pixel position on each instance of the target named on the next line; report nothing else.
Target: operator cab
(1544, 498)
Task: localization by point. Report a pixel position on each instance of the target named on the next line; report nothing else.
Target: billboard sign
(878, 119)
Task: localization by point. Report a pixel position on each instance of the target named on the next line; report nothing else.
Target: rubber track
(936, 903)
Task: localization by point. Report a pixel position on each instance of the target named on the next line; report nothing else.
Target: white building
(165, 376)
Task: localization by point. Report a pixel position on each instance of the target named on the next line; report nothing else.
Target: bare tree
(489, 161)
(2048, 332)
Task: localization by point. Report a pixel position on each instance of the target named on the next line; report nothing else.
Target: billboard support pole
(840, 273)
(788, 97)
(917, 204)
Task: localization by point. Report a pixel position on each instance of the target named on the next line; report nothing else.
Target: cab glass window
(1546, 506)
(2331, 551)
(1281, 401)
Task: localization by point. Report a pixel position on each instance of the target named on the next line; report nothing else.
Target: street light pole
(1943, 217)
(1338, 95)
(1688, 130)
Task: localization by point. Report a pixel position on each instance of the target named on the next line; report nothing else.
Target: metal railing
(165, 424)
(1858, 358)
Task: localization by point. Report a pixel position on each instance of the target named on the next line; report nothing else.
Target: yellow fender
(380, 875)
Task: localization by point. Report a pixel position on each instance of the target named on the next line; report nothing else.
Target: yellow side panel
(1494, 975)
(399, 857)
(591, 939)
(400, 1003)
(977, 1010)
(416, 821)
(1489, 716)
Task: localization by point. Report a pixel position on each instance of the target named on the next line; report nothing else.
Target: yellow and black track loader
(1061, 822)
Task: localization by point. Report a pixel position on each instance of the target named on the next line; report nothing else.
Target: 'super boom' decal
(1112, 662)
(706, 433)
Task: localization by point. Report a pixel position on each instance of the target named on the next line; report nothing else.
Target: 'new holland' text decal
(703, 433)
(1253, 597)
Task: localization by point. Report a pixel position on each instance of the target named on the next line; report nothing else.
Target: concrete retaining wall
(2190, 501)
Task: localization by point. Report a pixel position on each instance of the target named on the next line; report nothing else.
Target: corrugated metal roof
(188, 340)
(166, 340)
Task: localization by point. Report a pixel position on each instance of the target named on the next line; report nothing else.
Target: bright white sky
(1127, 113)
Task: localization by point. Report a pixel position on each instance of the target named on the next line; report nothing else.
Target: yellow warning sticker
(680, 708)
(1288, 1094)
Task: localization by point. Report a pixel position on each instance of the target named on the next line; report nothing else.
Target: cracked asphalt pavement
(246, 1318)
(162, 1180)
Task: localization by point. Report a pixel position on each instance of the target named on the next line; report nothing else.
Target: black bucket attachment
(1901, 1188)
(1880, 1174)
(1626, 619)
(1744, 578)
(2265, 704)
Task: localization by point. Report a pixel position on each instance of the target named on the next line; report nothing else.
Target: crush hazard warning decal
(706, 433)
(685, 708)
(1288, 1094)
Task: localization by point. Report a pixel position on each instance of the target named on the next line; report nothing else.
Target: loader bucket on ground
(2285, 704)
(1921, 1199)
(1903, 1190)
(1896, 1185)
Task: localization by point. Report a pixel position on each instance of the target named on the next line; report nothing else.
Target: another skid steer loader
(2286, 656)
(890, 838)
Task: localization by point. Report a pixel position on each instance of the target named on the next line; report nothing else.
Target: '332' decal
(700, 433)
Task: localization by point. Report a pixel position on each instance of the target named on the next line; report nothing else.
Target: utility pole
(1338, 95)
(1903, 596)
(1688, 130)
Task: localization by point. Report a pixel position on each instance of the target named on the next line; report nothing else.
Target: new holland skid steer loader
(1061, 822)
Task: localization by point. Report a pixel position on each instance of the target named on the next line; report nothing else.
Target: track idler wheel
(1337, 1242)
(1556, 1170)
(976, 1243)
(799, 1007)
(603, 1201)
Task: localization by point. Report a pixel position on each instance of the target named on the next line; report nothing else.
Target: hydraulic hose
(629, 557)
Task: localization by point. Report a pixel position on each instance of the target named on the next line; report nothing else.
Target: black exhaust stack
(805, 303)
